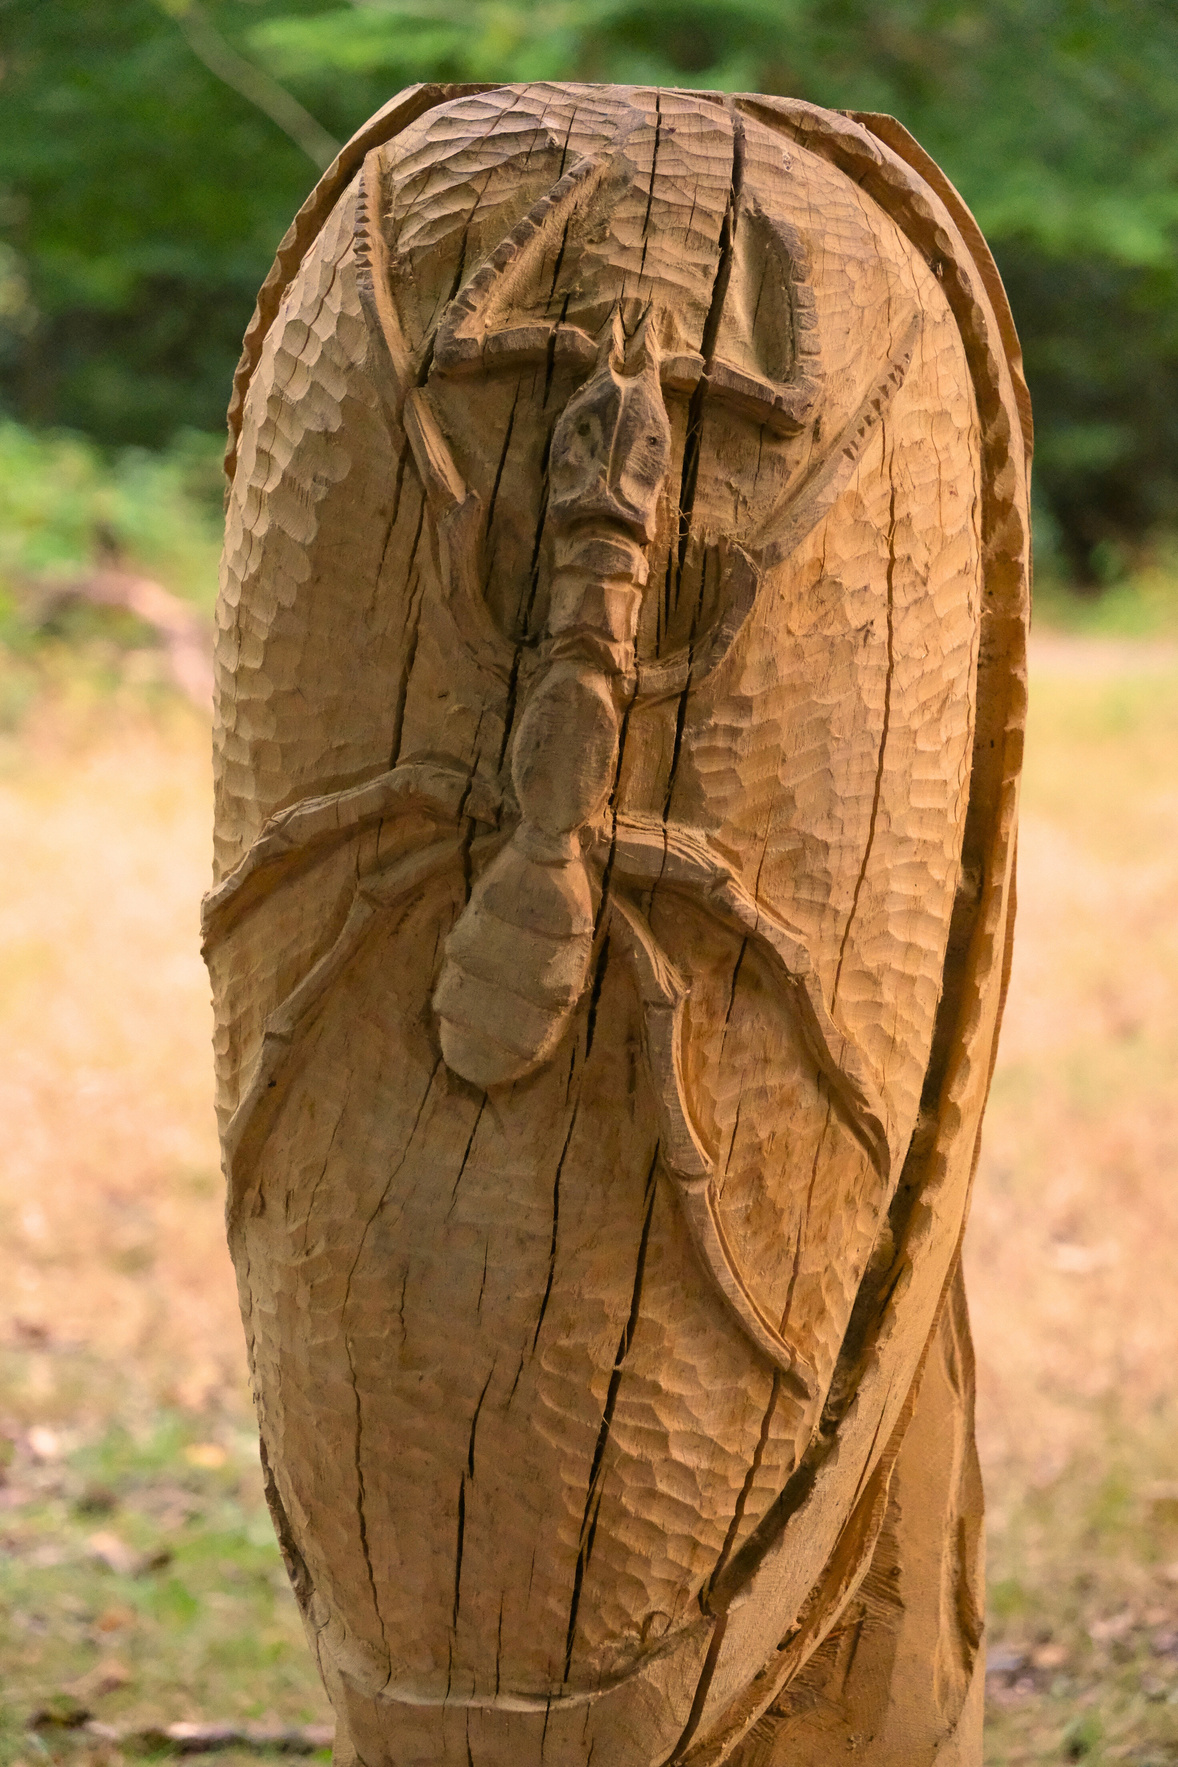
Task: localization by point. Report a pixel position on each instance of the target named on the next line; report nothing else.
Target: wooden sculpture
(620, 669)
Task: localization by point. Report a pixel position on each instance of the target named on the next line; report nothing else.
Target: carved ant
(517, 960)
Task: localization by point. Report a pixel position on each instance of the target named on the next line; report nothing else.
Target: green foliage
(142, 201)
(150, 158)
(67, 506)
(62, 502)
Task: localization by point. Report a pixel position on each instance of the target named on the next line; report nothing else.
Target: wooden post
(620, 696)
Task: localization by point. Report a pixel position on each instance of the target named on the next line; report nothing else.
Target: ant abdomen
(518, 958)
(516, 964)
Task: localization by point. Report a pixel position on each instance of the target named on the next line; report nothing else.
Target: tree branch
(251, 82)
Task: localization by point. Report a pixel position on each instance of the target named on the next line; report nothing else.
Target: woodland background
(151, 155)
(152, 152)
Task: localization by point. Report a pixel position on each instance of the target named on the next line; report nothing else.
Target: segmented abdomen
(518, 958)
(516, 965)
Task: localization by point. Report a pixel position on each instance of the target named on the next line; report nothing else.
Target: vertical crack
(491, 501)
(499, 1648)
(593, 1494)
(359, 1432)
(568, 135)
(361, 1492)
(458, 1550)
(804, 1223)
(555, 1225)
(549, 371)
(474, 1423)
(754, 1468)
(416, 591)
(702, 1687)
(465, 1157)
(556, 268)
(654, 161)
(887, 718)
(711, 331)
(681, 708)
(510, 703)
(595, 994)
(398, 488)
(736, 969)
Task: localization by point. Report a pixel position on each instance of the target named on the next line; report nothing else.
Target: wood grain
(620, 687)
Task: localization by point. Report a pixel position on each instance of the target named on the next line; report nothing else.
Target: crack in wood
(596, 1470)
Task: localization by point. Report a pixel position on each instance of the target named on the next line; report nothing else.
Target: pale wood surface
(620, 695)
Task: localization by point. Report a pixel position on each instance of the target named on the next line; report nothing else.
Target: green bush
(65, 505)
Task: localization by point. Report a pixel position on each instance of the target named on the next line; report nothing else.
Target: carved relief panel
(620, 684)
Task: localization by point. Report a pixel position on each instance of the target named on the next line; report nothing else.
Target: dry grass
(1073, 1244)
(109, 1197)
(139, 1578)
(120, 1307)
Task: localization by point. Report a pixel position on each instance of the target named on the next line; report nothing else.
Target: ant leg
(663, 991)
(307, 830)
(392, 890)
(458, 516)
(677, 858)
(685, 1157)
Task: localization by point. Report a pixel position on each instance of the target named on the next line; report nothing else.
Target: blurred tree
(152, 151)
(140, 200)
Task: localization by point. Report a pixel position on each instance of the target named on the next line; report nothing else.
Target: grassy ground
(141, 1582)
(138, 1575)
(1073, 1244)
(139, 1579)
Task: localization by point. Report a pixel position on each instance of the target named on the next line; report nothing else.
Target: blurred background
(151, 155)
